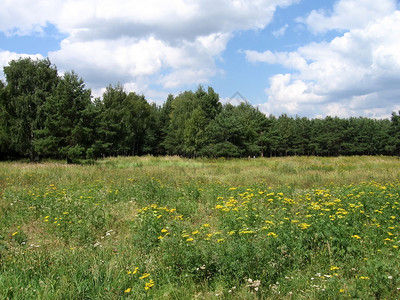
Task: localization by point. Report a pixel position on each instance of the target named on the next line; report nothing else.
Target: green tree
(5, 136)
(69, 127)
(165, 120)
(188, 115)
(182, 108)
(136, 118)
(235, 132)
(112, 129)
(29, 84)
(209, 102)
(394, 131)
(154, 132)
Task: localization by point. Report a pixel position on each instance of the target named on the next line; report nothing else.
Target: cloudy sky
(305, 57)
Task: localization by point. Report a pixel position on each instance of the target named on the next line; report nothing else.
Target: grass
(173, 228)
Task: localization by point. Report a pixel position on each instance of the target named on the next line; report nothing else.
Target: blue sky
(301, 57)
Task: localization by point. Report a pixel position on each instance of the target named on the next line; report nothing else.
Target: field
(174, 228)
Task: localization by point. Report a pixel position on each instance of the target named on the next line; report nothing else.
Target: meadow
(175, 228)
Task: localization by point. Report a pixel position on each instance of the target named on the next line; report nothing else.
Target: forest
(47, 115)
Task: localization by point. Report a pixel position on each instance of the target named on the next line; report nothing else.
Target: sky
(310, 58)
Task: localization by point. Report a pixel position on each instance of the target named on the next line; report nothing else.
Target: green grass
(174, 228)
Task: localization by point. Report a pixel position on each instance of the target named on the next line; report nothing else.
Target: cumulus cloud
(357, 73)
(348, 14)
(138, 43)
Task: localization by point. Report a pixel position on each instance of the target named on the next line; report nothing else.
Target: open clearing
(174, 228)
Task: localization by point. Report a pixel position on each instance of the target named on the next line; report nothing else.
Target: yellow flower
(149, 284)
(246, 232)
(164, 230)
(128, 290)
(135, 271)
(356, 236)
(189, 240)
(304, 225)
(195, 232)
(145, 275)
(272, 234)
(334, 268)
(341, 290)
(15, 233)
(220, 240)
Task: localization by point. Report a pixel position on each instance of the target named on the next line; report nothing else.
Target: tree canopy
(44, 115)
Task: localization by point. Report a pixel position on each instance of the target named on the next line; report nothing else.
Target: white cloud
(281, 31)
(136, 42)
(24, 17)
(348, 14)
(357, 73)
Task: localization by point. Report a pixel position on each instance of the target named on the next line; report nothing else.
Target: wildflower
(304, 226)
(334, 268)
(364, 277)
(149, 284)
(15, 233)
(356, 236)
(189, 240)
(195, 232)
(272, 234)
(128, 290)
(164, 230)
(145, 275)
(220, 240)
(206, 225)
(135, 271)
(341, 290)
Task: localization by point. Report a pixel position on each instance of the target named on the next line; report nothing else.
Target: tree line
(45, 115)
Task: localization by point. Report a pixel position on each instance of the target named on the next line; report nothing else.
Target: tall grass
(174, 228)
